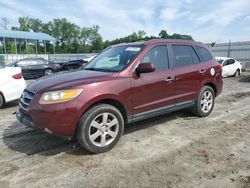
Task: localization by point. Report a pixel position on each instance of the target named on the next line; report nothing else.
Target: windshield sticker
(133, 49)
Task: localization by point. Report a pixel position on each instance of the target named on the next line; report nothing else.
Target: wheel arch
(1, 93)
(213, 86)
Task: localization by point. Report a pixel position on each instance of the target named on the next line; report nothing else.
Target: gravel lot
(174, 150)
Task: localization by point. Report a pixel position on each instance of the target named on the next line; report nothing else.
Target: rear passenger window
(157, 56)
(184, 55)
(232, 61)
(203, 53)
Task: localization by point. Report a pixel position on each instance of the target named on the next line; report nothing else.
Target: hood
(69, 80)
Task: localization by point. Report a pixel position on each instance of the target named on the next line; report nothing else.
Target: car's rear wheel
(237, 73)
(100, 128)
(48, 72)
(1, 101)
(205, 102)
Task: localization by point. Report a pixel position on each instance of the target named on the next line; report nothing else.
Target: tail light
(17, 76)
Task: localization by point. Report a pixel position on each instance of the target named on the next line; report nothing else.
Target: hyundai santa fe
(126, 83)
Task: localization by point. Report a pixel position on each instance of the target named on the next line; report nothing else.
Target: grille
(26, 98)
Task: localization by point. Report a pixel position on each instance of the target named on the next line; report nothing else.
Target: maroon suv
(125, 83)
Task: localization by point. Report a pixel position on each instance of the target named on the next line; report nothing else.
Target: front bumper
(24, 118)
(57, 119)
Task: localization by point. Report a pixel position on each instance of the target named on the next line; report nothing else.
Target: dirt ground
(174, 150)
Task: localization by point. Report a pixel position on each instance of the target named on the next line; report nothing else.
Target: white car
(88, 59)
(230, 66)
(12, 84)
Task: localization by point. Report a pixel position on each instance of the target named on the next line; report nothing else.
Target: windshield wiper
(92, 69)
(100, 70)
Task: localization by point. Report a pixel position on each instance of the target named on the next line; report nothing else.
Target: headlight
(59, 96)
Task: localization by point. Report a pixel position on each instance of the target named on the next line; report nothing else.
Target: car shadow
(11, 104)
(245, 79)
(30, 141)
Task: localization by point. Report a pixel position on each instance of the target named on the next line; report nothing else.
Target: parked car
(125, 83)
(77, 64)
(88, 59)
(12, 84)
(74, 64)
(230, 66)
(36, 67)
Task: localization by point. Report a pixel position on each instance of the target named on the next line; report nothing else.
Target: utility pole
(229, 48)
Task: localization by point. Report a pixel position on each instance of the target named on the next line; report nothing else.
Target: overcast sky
(206, 21)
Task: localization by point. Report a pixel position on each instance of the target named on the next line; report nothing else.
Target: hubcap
(206, 101)
(48, 72)
(103, 129)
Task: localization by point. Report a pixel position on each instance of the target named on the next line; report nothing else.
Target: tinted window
(229, 62)
(184, 56)
(24, 63)
(195, 56)
(203, 53)
(232, 61)
(157, 56)
(220, 61)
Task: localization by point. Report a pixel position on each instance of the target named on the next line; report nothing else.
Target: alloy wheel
(48, 72)
(103, 129)
(206, 101)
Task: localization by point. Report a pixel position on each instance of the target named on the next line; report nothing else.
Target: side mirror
(145, 68)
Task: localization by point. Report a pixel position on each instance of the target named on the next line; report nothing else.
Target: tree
(24, 24)
(183, 37)
(164, 35)
(70, 38)
(4, 23)
(35, 25)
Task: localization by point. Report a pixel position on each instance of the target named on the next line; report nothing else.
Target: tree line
(71, 38)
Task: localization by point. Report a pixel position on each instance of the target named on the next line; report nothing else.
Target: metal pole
(16, 45)
(54, 50)
(229, 49)
(26, 46)
(45, 46)
(36, 48)
(4, 46)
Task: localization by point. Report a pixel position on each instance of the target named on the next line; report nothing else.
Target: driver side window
(157, 56)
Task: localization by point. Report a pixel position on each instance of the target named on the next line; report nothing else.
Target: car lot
(173, 150)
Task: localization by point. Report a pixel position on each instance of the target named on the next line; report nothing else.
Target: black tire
(237, 73)
(197, 108)
(2, 102)
(84, 129)
(48, 72)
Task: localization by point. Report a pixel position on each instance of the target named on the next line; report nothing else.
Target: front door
(155, 90)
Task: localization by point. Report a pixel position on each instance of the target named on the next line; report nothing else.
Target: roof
(25, 35)
(156, 41)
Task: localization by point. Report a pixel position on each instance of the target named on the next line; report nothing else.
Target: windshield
(114, 59)
(220, 61)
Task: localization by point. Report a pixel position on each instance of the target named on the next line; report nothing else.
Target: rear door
(188, 73)
(151, 91)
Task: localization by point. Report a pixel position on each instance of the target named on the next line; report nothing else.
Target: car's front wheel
(205, 102)
(100, 128)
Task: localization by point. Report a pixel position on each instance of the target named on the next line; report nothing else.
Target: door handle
(169, 79)
(202, 71)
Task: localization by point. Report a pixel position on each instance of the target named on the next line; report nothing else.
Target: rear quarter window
(203, 53)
